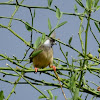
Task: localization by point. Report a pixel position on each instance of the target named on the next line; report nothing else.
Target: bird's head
(50, 41)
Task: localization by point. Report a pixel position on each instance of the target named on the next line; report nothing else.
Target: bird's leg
(36, 69)
(54, 68)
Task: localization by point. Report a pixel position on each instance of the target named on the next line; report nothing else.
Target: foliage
(71, 73)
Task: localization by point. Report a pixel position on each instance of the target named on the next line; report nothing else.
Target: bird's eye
(52, 40)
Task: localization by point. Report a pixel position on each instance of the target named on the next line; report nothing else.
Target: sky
(12, 46)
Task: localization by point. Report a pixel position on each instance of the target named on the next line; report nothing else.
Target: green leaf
(50, 94)
(35, 53)
(37, 42)
(1, 95)
(64, 65)
(80, 3)
(70, 40)
(27, 25)
(98, 7)
(56, 97)
(89, 4)
(58, 13)
(66, 53)
(61, 24)
(96, 24)
(41, 97)
(75, 8)
(40, 40)
(96, 2)
(43, 38)
(49, 25)
(49, 3)
(81, 63)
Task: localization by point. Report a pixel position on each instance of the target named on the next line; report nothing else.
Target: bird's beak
(55, 43)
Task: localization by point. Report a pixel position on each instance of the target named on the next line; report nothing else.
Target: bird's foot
(54, 68)
(36, 69)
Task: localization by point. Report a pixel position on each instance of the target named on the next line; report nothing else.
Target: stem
(9, 24)
(80, 32)
(7, 58)
(6, 81)
(94, 36)
(60, 84)
(39, 7)
(86, 34)
(16, 35)
(13, 90)
(28, 82)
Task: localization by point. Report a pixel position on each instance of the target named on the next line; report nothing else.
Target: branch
(9, 24)
(39, 7)
(28, 82)
(13, 89)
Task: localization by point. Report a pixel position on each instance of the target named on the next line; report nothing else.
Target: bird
(45, 57)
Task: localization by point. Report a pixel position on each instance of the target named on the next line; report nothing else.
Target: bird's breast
(44, 58)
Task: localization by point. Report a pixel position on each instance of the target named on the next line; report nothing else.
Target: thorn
(6, 64)
(4, 75)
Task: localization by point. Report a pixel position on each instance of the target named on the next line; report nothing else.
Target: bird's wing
(31, 57)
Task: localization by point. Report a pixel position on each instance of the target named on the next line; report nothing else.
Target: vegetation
(71, 71)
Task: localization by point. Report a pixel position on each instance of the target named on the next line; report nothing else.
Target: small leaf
(41, 97)
(96, 24)
(81, 62)
(64, 65)
(70, 40)
(98, 7)
(43, 38)
(1, 95)
(89, 4)
(75, 8)
(49, 25)
(58, 13)
(35, 53)
(49, 3)
(27, 25)
(61, 24)
(50, 94)
(80, 3)
(56, 97)
(66, 53)
(37, 42)
(56, 7)
(96, 2)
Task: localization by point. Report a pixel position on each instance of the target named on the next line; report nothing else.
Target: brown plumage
(44, 58)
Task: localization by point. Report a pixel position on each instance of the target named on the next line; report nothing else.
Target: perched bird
(45, 57)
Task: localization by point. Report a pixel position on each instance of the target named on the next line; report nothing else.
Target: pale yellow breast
(44, 58)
